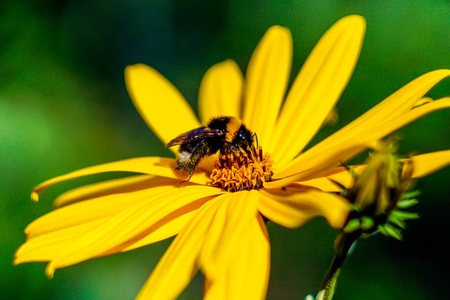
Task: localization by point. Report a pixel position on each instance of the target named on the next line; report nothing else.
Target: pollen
(245, 170)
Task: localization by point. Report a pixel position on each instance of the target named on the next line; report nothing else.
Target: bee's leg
(225, 149)
(191, 161)
(189, 166)
(187, 180)
(229, 148)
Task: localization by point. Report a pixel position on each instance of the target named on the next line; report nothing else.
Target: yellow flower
(221, 233)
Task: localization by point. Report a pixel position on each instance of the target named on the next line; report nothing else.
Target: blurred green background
(64, 106)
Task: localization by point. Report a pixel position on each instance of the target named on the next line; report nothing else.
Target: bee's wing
(193, 135)
(176, 141)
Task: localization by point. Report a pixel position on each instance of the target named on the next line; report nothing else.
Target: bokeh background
(64, 106)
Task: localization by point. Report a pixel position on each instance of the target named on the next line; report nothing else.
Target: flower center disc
(245, 170)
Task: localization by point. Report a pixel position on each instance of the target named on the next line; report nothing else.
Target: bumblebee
(224, 134)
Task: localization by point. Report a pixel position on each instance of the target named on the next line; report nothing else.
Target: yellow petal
(428, 163)
(423, 101)
(266, 81)
(327, 155)
(178, 265)
(165, 167)
(220, 92)
(321, 183)
(247, 275)
(207, 260)
(295, 205)
(378, 132)
(249, 272)
(131, 224)
(165, 228)
(395, 105)
(391, 108)
(121, 185)
(281, 212)
(45, 247)
(340, 175)
(160, 104)
(311, 165)
(317, 88)
(343, 176)
(91, 210)
(231, 220)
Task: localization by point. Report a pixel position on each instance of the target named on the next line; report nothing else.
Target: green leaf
(393, 232)
(398, 222)
(404, 215)
(367, 223)
(411, 194)
(352, 225)
(382, 230)
(407, 203)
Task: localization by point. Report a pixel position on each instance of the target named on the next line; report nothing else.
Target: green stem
(343, 245)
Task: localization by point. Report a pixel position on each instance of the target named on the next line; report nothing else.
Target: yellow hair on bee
(232, 127)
